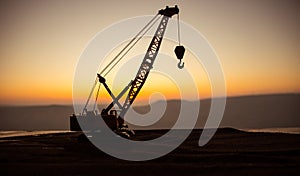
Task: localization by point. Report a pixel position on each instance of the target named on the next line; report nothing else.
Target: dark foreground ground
(230, 152)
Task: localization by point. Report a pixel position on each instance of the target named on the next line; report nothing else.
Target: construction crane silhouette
(115, 120)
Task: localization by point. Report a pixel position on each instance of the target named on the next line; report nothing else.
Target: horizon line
(142, 103)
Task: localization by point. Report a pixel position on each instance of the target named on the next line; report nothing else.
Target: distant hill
(264, 111)
(54, 117)
(261, 111)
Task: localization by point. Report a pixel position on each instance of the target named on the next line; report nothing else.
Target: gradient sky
(257, 41)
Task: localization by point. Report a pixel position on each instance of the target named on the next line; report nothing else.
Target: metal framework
(146, 65)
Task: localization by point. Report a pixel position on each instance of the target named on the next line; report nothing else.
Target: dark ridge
(229, 152)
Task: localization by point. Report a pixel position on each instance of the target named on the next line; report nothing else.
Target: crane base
(90, 122)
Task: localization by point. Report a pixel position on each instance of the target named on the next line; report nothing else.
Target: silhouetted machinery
(115, 119)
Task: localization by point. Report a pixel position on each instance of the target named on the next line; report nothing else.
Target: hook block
(179, 51)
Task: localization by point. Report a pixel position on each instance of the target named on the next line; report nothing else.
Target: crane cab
(116, 123)
(111, 119)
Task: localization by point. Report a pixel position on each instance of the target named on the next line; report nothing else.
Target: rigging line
(96, 81)
(128, 45)
(131, 47)
(97, 95)
(178, 28)
(134, 38)
(90, 95)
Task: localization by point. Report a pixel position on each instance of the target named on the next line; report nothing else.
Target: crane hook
(179, 51)
(180, 64)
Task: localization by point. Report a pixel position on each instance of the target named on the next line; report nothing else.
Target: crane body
(116, 120)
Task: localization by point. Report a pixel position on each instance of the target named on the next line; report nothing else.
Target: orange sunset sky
(257, 41)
